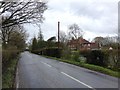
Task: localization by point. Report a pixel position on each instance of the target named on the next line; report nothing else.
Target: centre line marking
(46, 64)
(77, 80)
(62, 62)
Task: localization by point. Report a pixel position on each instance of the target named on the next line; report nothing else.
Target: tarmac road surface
(35, 71)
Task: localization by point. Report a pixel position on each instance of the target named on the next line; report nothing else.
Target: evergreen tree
(40, 36)
(41, 42)
(34, 44)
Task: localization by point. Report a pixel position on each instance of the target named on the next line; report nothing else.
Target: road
(35, 71)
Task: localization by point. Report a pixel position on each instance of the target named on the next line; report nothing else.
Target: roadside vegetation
(89, 66)
(10, 57)
(13, 36)
(8, 73)
(103, 59)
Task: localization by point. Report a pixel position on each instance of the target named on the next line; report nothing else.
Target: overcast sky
(94, 17)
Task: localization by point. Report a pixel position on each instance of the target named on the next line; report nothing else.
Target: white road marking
(17, 79)
(62, 62)
(77, 80)
(17, 85)
(46, 64)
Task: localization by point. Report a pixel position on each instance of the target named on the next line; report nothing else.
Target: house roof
(79, 40)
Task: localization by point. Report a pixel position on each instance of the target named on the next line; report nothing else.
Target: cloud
(95, 17)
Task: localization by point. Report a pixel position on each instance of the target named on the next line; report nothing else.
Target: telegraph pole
(58, 34)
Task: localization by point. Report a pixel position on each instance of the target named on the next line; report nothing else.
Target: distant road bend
(35, 71)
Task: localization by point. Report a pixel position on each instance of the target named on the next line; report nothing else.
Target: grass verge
(90, 66)
(8, 77)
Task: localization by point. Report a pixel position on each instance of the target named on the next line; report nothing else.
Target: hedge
(105, 58)
(7, 57)
(53, 52)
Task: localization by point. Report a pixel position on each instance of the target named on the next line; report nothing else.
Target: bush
(105, 58)
(66, 54)
(7, 56)
(113, 59)
(95, 57)
(82, 59)
(75, 56)
(53, 52)
(9, 63)
(85, 53)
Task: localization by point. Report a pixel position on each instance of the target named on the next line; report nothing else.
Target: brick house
(81, 44)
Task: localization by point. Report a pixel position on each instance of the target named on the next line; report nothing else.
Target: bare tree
(40, 34)
(14, 13)
(8, 33)
(17, 38)
(5, 34)
(75, 32)
(63, 37)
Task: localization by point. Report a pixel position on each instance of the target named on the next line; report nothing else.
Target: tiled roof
(79, 40)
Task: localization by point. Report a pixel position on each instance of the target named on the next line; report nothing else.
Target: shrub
(96, 57)
(75, 56)
(105, 58)
(82, 59)
(66, 54)
(113, 59)
(53, 52)
(9, 63)
(7, 56)
(85, 53)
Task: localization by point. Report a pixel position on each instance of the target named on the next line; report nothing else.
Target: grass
(9, 76)
(90, 66)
